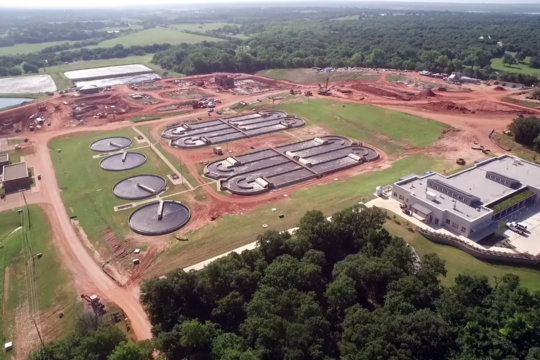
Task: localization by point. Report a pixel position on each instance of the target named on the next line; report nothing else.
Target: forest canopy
(340, 289)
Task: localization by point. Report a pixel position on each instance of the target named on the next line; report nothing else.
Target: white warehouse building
(472, 202)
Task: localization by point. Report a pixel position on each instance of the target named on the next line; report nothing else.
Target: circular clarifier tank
(123, 161)
(139, 187)
(110, 144)
(159, 218)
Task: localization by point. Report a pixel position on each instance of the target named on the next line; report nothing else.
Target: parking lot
(529, 241)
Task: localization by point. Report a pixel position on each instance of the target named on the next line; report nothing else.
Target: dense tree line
(343, 289)
(526, 131)
(439, 42)
(94, 339)
(45, 32)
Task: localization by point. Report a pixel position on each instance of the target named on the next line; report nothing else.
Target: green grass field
(308, 76)
(155, 36)
(53, 284)
(202, 27)
(386, 129)
(395, 78)
(87, 190)
(524, 69)
(21, 49)
(57, 72)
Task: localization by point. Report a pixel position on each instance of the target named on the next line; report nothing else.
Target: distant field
(57, 72)
(155, 36)
(27, 48)
(199, 27)
(516, 68)
(368, 123)
(86, 189)
(308, 76)
(347, 18)
(53, 284)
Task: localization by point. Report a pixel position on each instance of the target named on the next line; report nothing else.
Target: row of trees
(343, 289)
(55, 55)
(526, 131)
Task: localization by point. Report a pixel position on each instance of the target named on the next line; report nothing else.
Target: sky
(120, 3)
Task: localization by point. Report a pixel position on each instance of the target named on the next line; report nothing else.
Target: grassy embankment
(459, 262)
(308, 76)
(87, 190)
(507, 142)
(54, 286)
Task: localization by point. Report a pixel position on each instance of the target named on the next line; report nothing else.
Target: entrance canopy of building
(421, 210)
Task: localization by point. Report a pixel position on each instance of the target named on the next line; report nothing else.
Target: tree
(525, 130)
(521, 55)
(15, 71)
(130, 351)
(508, 59)
(30, 68)
(535, 62)
(197, 338)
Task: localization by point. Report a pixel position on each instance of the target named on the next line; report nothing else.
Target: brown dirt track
(473, 113)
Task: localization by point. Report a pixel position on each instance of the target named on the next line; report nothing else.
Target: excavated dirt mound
(378, 91)
(498, 88)
(445, 106)
(424, 94)
(427, 93)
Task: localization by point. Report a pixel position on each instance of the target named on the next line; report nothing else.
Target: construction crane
(325, 90)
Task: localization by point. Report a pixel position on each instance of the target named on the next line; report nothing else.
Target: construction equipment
(460, 161)
(324, 90)
(218, 150)
(95, 303)
(308, 93)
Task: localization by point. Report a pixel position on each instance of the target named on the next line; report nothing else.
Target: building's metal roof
(15, 171)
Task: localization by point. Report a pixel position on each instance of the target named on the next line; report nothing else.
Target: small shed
(16, 177)
(8, 346)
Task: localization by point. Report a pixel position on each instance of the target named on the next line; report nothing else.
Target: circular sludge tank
(159, 218)
(123, 161)
(139, 187)
(110, 144)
